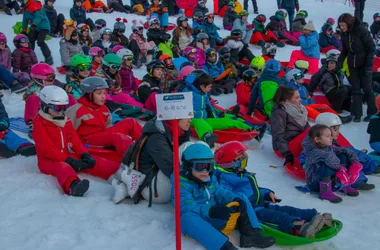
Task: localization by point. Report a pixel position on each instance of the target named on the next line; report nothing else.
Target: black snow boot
(6, 152)
(357, 118)
(228, 246)
(79, 188)
(262, 131)
(27, 150)
(249, 236)
(49, 60)
(364, 186)
(210, 139)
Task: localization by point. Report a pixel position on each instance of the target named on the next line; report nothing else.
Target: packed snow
(35, 214)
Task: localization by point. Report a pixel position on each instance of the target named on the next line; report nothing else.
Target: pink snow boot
(325, 193)
(354, 171)
(343, 176)
(350, 191)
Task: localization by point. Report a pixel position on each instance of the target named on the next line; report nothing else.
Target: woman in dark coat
(359, 49)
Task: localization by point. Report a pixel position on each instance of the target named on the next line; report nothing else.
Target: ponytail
(283, 93)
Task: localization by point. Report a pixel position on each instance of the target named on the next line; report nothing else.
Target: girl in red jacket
(244, 87)
(59, 151)
(96, 55)
(93, 121)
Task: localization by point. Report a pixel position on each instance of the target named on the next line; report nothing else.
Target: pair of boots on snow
(126, 182)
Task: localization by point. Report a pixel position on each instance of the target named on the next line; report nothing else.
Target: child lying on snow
(231, 159)
(204, 211)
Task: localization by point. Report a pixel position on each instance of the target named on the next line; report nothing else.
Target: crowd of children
(69, 122)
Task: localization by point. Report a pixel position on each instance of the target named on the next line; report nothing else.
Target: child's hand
(272, 197)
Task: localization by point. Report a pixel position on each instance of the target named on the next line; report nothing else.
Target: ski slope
(35, 214)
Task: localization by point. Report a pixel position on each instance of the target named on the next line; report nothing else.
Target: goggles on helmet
(50, 77)
(212, 53)
(242, 163)
(202, 166)
(115, 67)
(128, 58)
(226, 55)
(298, 75)
(58, 108)
(24, 40)
(2, 42)
(83, 67)
(107, 32)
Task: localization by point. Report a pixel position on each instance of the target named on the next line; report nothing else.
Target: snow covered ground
(35, 214)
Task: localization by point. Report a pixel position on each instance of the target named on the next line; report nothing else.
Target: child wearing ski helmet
(93, 121)
(192, 55)
(118, 37)
(69, 45)
(95, 6)
(260, 35)
(160, 12)
(154, 32)
(80, 66)
(375, 26)
(23, 57)
(302, 65)
(85, 38)
(96, 54)
(224, 55)
(231, 162)
(78, 14)
(310, 50)
(241, 23)
(299, 21)
(138, 44)
(326, 39)
(197, 23)
(229, 16)
(128, 80)
(56, 20)
(202, 44)
(258, 64)
(327, 165)
(182, 33)
(216, 70)
(244, 88)
(211, 30)
(277, 25)
(104, 41)
(59, 150)
(239, 50)
(205, 120)
(99, 25)
(40, 28)
(170, 74)
(201, 7)
(205, 205)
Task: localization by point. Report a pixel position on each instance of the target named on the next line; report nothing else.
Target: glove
(354, 171)
(219, 212)
(249, 26)
(3, 125)
(297, 9)
(342, 176)
(289, 158)
(77, 165)
(87, 158)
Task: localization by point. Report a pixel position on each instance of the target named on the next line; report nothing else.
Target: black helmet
(236, 32)
(198, 16)
(376, 15)
(181, 19)
(249, 74)
(224, 53)
(155, 64)
(100, 23)
(119, 27)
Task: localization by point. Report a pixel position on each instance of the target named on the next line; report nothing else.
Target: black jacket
(358, 47)
(78, 14)
(51, 14)
(201, 9)
(147, 86)
(158, 148)
(374, 128)
(117, 39)
(3, 113)
(287, 4)
(375, 28)
(157, 36)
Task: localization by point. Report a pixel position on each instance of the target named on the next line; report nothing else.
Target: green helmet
(80, 59)
(112, 61)
(243, 13)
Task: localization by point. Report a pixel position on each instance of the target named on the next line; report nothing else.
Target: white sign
(174, 106)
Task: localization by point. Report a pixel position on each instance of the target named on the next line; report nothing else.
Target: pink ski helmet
(117, 48)
(20, 39)
(42, 71)
(185, 71)
(95, 51)
(3, 38)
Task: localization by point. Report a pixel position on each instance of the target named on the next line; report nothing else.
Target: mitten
(289, 158)
(77, 165)
(354, 171)
(219, 212)
(86, 157)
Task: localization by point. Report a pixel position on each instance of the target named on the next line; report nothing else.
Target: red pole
(177, 197)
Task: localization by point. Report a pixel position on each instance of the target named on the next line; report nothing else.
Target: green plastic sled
(17, 29)
(285, 239)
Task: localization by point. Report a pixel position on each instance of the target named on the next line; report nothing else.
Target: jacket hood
(189, 80)
(154, 126)
(307, 144)
(269, 76)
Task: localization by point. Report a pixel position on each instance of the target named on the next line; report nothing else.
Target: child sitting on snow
(170, 74)
(260, 35)
(231, 159)
(201, 7)
(239, 49)
(182, 33)
(84, 37)
(244, 88)
(326, 165)
(80, 66)
(78, 14)
(128, 80)
(229, 17)
(374, 128)
(204, 205)
(23, 57)
(229, 63)
(299, 21)
(241, 23)
(69, 46)
(326, 39)
(96, 54)
(211, 30)
(197, 24)
(104, 42)
(59, 150)
(194, 55)
(202, 44)
(118, 37)
(93, 121)
(375, 26)
(277, 25)
(99, 25)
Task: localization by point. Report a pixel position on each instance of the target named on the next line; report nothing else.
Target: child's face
(128, 62)
(307, 32)
(168, 61)
(200, 175)
(184, 23)
(211, 58)
(335, 131)
(98, 59)
(2, 45)
(206, 89)
(243, 18)
(50, 3)
(210, 18)
(78, 3)
(325, 138)
(25, 45)
(184, 124)
(84, 73)
(205, 42)
(99, 96)
(157, 72)
(377, 19)
(331, 65)
(155, 2)
(106, 37)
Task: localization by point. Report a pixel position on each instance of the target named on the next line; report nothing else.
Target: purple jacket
(128, 81)
(5, 58)
(23, 59)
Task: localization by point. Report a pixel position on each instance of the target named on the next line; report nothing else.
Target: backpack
(268, 90)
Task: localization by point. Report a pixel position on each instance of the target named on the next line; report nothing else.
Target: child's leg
(282, 219)
(103, 168)
(375, 146)
(202, 231)
(336, 97)
(90, 23)
(42, 44)
(295, 56)
(6, 76)
(313, 65)
(14, 142)
(226, 123)
(201, 126)
(256, 38)
(291, 37)
(270, 36)
(128, 126)
(304, 214)
(32, 105)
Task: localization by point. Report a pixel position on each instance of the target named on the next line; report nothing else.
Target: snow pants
(161, 186)
(284, 216)
(40, 37)
(313, 110)
(205, 231)
(359, 9)
(268, 37)
(57, 28)
(65, 174)
(123, 98)
(299, 55)
(204, 126)
(32, 105)
(375, 146)
(340, 99)
(13, 141)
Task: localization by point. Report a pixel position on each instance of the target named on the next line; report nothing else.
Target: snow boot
(325, 193)
(7, 10)
(27, 150)
(228, 246)
(49, 60)
(364, 186)
(346, 119)
(79, 188)
(279, 44)
(261, 43)
(120, 191)
(328, 219)
(210, 139)
(249, 236)
(17, 88)
(350, 191)
(356, 119)
(132, 179)
(6, 152)
(367, 118)
(262, 130)
(311, 228)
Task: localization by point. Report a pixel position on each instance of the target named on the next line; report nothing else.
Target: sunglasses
(128, 58)
(58, 108)
(115, 67)
(242, 163)
(298, 76)
(83, 67)
(203, 167)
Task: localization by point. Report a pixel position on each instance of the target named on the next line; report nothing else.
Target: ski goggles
(50, 77)
(257, 69)
(83, 67)
(127, 58)
(24, 40)
(242, 163)
(203, 166)
(58, 108)
(298, 75)
(107, 32)
(226, 56)
(2, 42)
(115, 67)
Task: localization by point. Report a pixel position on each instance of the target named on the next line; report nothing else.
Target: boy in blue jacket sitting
(231, 159)
(204, 210)
(211, 30)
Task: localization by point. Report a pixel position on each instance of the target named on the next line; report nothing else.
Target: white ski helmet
(54, 95)
(328, 119)
(123, 53)
(333, 53)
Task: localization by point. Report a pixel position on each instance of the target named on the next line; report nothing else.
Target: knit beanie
(309, 26)
(378, 102)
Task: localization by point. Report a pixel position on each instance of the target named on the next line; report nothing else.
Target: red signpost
(177, 198)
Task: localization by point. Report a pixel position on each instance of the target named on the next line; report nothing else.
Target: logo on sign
(173, 97)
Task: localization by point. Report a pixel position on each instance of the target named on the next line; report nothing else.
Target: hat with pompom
(309, 26)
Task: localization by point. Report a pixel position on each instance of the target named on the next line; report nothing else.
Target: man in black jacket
(56, 21)
(359, 9)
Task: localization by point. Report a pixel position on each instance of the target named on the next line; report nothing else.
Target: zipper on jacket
(350, 41)
(208, 194)
(254, 184)
(62, 141)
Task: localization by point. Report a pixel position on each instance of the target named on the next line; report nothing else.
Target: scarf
(59, 123)
(25, 49)
(299, 114)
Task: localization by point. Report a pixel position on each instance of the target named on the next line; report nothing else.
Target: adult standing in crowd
(359, 49)
(289, 6)
(359, 9)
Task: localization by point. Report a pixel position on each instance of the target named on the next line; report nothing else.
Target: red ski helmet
(42, 71)
(228, 152)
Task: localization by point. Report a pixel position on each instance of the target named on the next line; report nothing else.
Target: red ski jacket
(243, 93)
